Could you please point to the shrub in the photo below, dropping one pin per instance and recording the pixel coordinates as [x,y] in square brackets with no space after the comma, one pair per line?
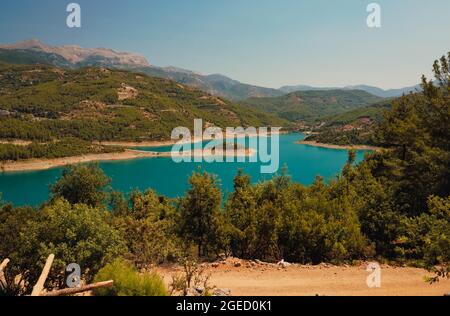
[128,282]
[73,233]
[146,222]
[280,219]
[193,277]
[76,233]
[84,184]
[200,213]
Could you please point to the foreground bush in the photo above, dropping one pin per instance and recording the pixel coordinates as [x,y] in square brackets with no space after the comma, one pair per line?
[84,184]
[146,222]
[73,233]
[281,219]
[128,281]
[77,233]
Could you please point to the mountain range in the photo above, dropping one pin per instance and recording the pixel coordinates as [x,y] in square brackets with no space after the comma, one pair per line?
[35,52]
[312,105]
[214,84]
[77,56]
[390,93]
[71,56]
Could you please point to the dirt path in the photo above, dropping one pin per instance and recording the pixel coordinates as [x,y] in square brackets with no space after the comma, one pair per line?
[264,280]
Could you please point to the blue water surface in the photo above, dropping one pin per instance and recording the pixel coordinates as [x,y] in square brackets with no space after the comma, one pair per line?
[166,177]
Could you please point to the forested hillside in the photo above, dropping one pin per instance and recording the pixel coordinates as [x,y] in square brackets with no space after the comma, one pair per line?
[390,93]
[356,127]
[43,103]
[310,105]
[374,112]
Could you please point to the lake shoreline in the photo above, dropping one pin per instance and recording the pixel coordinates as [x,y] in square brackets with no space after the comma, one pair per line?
[141,144]
[45,164]
[338,147]
[163,143]
[129,154]
[166,176]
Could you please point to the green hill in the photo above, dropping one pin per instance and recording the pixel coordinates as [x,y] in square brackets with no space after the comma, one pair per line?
[45,103]
[372,112]
[311,105]
[354,127]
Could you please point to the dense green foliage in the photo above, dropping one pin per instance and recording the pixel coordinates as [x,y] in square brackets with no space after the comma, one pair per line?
[281,219]
[310,105]
[81,185]
[409,215]
[200,214]
[148,224]
[417,132]
[374,112]
[363,136]
[43,103]
[356,127]
[74,233]
[77,233]
[128,281]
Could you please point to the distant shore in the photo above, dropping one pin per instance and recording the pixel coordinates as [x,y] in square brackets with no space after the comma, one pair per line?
[45,164]
[152,143]
[136,144]
[163,143]
[128,154]
[339,147]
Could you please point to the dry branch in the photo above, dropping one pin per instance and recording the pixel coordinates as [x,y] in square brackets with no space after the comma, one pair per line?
[72,291]
[3,264]
[2,267]
[39,287]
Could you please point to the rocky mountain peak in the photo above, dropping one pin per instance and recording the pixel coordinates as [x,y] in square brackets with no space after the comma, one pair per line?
[76,54]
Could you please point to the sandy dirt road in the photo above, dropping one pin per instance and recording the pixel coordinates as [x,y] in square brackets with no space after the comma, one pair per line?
[296,280]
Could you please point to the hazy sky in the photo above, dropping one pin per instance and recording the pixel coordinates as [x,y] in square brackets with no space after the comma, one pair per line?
[263,42]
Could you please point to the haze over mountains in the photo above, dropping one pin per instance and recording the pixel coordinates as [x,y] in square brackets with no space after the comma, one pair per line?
[390,93]
[71,56]
[214,84]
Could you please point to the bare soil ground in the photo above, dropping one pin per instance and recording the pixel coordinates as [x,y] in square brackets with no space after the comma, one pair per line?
[245,278]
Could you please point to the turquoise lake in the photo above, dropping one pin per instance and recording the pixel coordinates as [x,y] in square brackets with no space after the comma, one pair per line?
[166,177]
